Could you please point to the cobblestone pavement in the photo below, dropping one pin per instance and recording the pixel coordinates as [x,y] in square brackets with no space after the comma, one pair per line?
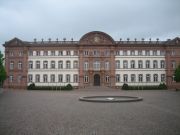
[61,113]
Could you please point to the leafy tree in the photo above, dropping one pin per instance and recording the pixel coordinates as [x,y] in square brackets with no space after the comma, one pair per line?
[177,74]
[2,70]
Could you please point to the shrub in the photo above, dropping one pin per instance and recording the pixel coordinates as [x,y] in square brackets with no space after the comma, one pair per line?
[162,86]
[125,86]
[69,87]
[31,86]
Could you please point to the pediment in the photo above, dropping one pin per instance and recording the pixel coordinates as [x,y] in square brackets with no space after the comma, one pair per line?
[96,37]
[14,42]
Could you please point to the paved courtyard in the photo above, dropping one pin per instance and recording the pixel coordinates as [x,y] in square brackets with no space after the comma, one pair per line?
[60,113]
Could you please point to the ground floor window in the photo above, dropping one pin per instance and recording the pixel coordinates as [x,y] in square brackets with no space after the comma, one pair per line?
[107,79]
[75,77]
[118,78]
[86,79]
[30,78]
[125,78]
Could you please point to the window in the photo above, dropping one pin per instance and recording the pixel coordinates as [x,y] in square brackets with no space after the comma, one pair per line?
[107,65]
[45,78]
[147,53]
[163,79]
[140,78]
[52,78]
[162,64]
[75,53]
[68,53]
[125,64]
[86,53]
[96,65]
[117,77]
[155,64]
[60,78]
[52,53]
[107,79]
[173,53]
[68,64]
[155,78]
[75,64]
[19,78]
[173,78]
[60,64]
[11,53]
[96,53]
[132,64]
[133,78]
[139,52]
[132,53]
[148,78]
[147,64]
[45,64]
[11,78]
[125,78]
[173,64]
[68,79]
[60,53]
[86,79]
[45,53]
[37,53]
[140,64]
[75,78]
[162,53]
[117,64]
[125,53]
[117,53]
[37,78]
[37,64]
[30,65]
[21,53]
[86,65]
[30,78]
[107,53]
[154,53]
[19,65]
[11,65]
[30,53]
[53,64]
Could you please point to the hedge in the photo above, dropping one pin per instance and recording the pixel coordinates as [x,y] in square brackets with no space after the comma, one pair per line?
[33,87]
[161,86]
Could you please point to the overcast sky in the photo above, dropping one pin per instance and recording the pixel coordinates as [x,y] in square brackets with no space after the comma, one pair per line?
[29,19]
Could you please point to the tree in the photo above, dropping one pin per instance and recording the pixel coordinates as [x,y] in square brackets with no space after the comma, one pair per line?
[177,74]
[2,70]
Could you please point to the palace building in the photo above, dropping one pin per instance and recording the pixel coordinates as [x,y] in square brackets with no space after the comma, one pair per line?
[95,60]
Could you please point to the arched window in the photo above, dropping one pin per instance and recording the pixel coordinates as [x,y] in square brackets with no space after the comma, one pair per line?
[60,64]
[37,64]
[125,64]
[140,77]
[37,78]
[147,64]
[45,78]
[148,78]
[53,64]
[132,64]
[155,78]
[125,78]
[107,79]
[30,65]
[68,64]
[155,64]
[68,78]
[162,64]
[45,64]
[117,64]
[117,77]
[140,64]
[53,78]
[107,66]
[133,78]
[75,64]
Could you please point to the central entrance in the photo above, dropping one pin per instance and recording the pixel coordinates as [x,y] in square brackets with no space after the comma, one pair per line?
[96,80]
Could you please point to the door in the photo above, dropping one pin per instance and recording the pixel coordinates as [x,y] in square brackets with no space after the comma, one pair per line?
[96,80]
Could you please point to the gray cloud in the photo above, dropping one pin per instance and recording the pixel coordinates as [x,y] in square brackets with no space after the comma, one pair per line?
[27,19]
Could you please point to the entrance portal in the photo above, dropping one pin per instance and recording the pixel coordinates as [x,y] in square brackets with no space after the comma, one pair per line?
[96,80]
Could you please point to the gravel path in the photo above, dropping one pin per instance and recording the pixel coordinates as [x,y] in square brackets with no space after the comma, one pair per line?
[61,113]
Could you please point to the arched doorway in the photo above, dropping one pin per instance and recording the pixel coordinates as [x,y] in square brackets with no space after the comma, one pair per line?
[96,80]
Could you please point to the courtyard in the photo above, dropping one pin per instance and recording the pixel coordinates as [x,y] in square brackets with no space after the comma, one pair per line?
[61,113]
